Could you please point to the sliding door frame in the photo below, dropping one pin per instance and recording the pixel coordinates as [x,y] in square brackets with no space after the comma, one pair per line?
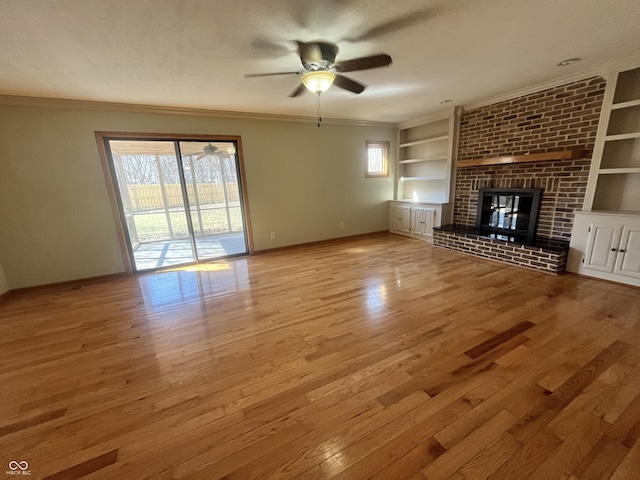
[110,179]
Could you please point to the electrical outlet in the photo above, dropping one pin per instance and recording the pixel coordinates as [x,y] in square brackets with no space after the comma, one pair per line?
[273,235]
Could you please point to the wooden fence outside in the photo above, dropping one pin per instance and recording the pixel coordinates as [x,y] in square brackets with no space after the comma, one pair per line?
[149,197]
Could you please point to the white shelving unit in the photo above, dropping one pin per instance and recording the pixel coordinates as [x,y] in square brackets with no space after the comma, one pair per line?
[425,174]
[426,157]
[605,241]
[614,179]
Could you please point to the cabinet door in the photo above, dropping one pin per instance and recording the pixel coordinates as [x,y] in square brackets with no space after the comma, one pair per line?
[401,218]
[429,217]
[602,247]
[416,220]
[422,221]
[628,260]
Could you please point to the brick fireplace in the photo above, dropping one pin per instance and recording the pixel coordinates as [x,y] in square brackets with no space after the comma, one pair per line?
[563,118]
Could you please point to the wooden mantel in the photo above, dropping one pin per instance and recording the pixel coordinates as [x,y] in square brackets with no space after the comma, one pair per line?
[573,154]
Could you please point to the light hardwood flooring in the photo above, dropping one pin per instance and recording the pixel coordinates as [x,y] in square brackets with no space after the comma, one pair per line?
[378,357]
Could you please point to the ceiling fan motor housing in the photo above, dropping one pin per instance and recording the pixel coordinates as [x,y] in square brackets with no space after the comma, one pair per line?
[318,55]
[210,149]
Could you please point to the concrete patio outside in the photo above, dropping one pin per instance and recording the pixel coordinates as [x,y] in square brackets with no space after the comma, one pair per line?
[166,253]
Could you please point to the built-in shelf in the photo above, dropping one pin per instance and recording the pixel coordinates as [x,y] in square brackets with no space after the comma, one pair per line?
[615,171]
[573,154]
[622,136]
[630,103]
[605,239]
[424,159]
[424,140]
[614,176]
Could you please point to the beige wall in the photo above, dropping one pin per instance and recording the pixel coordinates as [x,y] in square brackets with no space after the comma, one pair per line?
[4,286]
[56,219]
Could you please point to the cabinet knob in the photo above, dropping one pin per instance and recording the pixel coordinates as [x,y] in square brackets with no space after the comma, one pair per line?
[614,249]
[622,251]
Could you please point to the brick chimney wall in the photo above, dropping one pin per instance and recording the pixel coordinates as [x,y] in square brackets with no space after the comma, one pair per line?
[559,118]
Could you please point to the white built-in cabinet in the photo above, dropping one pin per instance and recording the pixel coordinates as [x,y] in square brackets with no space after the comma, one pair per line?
[427,148]
[607,246]
[400,218]
[415,219]
[614,249]
[422,221]
[605,241]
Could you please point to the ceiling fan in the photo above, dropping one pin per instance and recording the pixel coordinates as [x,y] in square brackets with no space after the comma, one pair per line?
[321,69]
[211,150]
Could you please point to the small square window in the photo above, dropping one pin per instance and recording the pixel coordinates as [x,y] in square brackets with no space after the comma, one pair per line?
[377,159]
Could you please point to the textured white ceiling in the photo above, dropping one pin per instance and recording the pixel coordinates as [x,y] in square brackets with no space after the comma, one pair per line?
[193,53]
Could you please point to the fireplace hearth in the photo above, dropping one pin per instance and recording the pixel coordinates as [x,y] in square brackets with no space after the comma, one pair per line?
[505,230]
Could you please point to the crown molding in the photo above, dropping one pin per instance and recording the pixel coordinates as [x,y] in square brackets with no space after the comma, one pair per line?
[603,71]
[164,110]
[430,117]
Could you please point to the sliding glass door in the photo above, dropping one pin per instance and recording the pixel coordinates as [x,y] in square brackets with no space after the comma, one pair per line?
[180,200]
[214,196]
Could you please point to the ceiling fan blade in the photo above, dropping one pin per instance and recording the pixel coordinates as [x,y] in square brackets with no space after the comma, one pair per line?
[298,91]
[363,63]
[201,156]
[250,75]
[396,25]
[265,45]
[346,83]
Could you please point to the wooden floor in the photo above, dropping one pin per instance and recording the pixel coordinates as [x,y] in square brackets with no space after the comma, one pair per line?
[381,357]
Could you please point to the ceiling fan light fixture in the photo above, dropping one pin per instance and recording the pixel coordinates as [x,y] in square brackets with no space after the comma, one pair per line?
[318,81]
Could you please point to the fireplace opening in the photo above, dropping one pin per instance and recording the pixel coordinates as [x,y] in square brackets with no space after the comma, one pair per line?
[508,213]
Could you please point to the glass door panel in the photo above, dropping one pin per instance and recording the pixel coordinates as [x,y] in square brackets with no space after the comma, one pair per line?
[152,202]
[214,197]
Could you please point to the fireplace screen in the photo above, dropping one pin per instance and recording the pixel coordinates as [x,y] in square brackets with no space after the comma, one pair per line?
[510,211]
[504,210]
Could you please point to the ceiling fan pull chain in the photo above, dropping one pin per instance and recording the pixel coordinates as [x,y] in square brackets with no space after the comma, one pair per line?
[318,109]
